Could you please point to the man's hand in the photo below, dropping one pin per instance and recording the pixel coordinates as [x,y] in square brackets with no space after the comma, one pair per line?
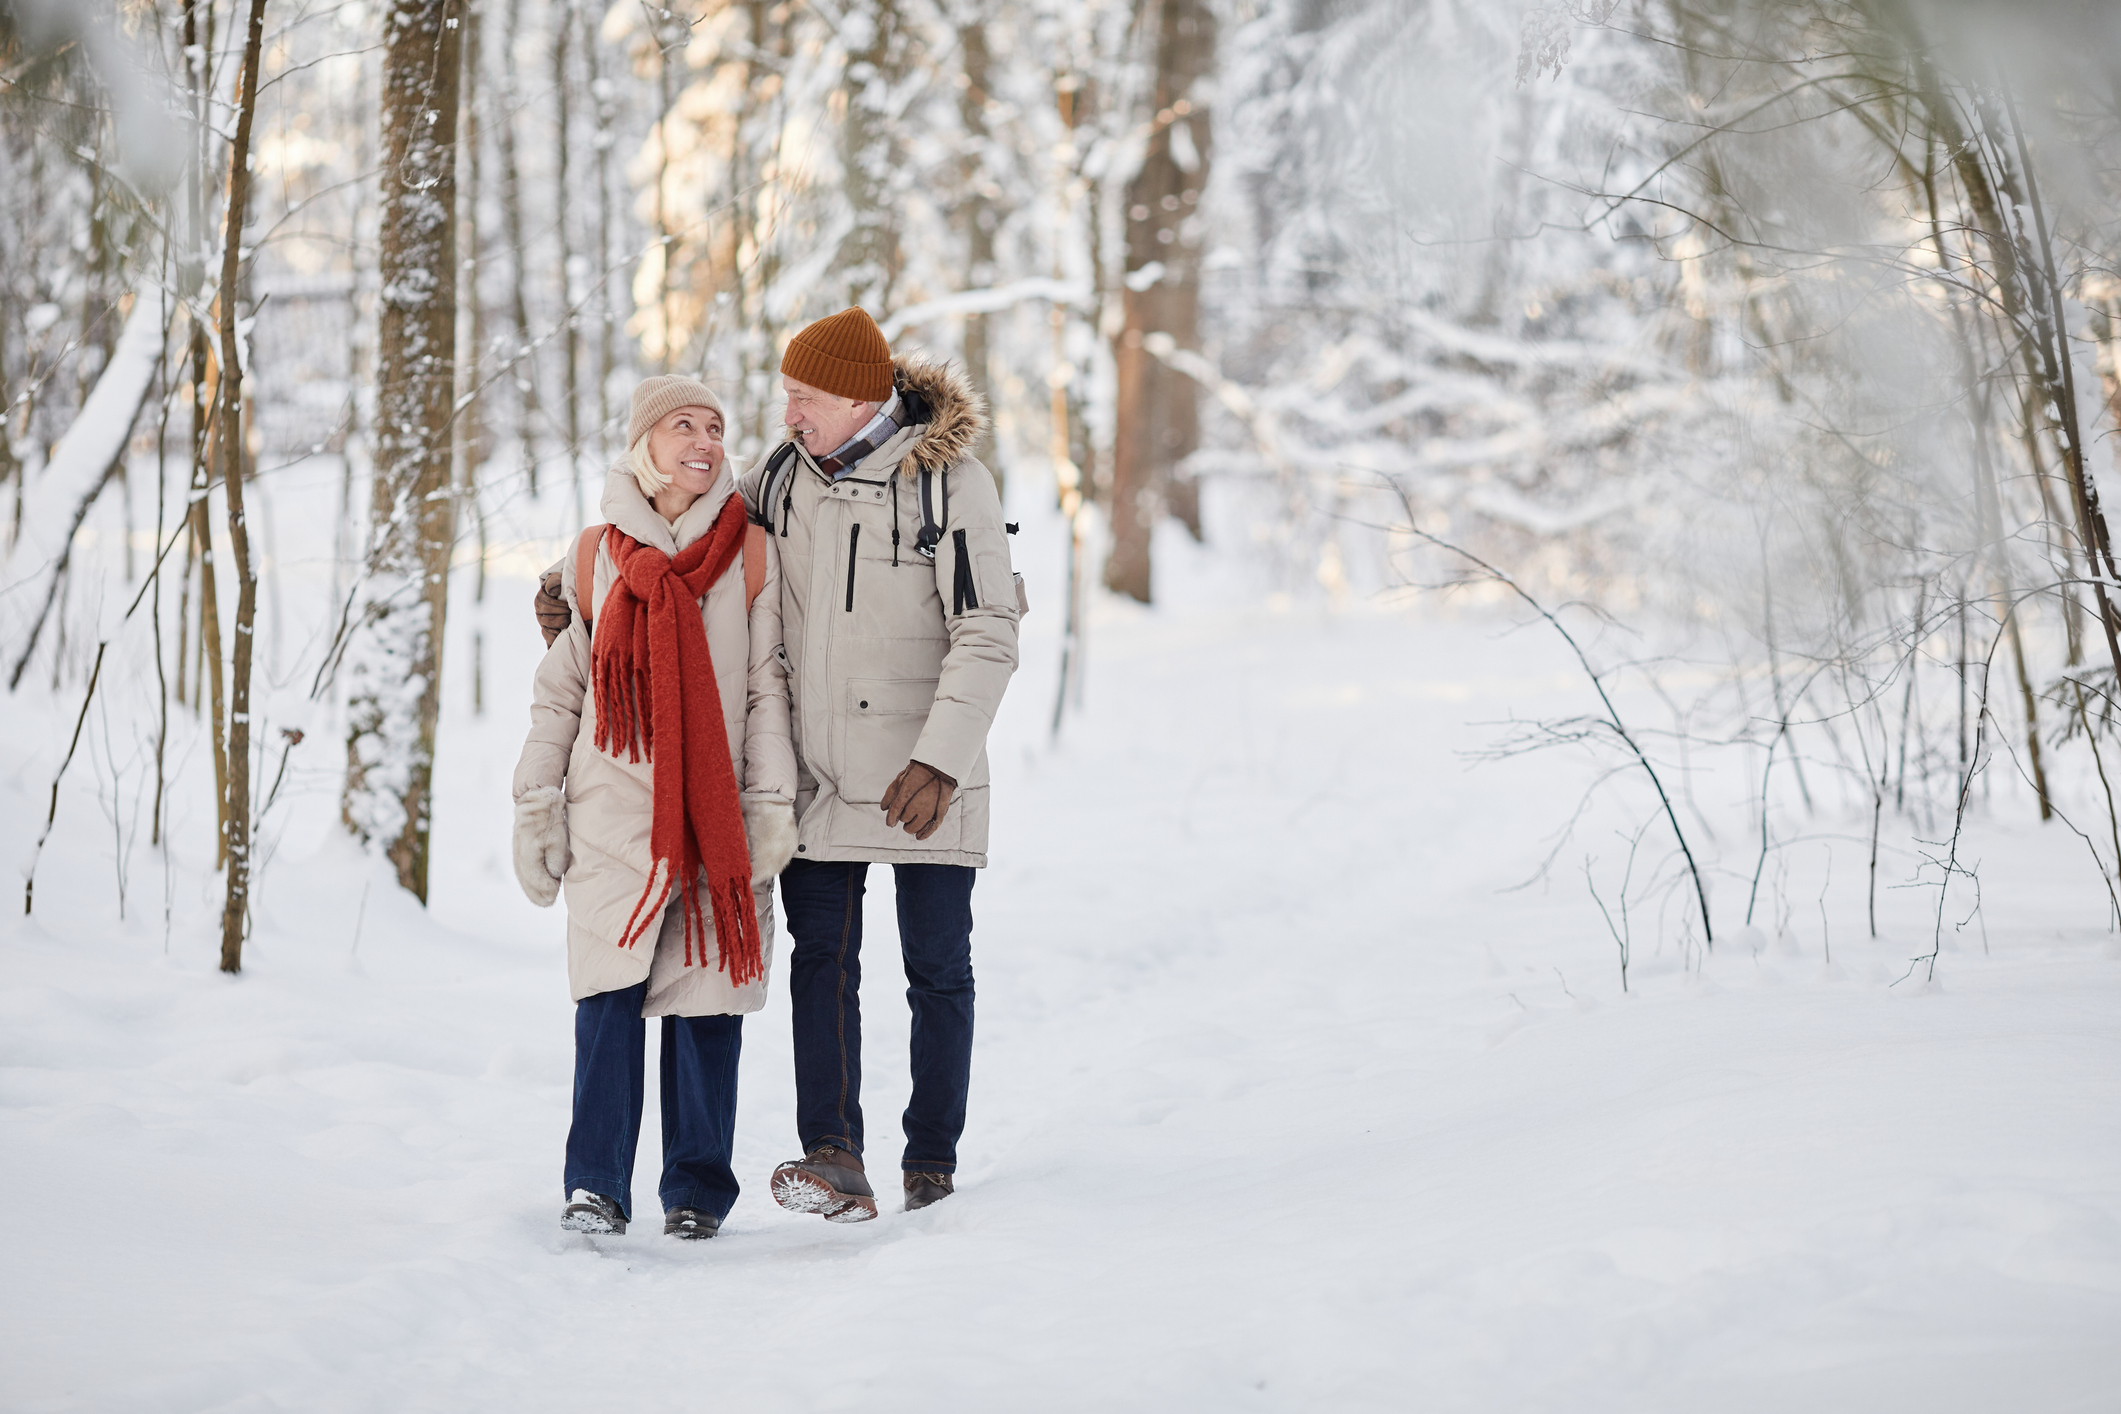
[918,798]
[552,610]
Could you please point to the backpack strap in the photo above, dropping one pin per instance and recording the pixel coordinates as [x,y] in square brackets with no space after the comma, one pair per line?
[930,531]
[779,476]
[585,570]
[754,565]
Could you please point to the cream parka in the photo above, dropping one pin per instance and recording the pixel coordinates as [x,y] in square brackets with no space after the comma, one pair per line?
[886,664]
[610,800]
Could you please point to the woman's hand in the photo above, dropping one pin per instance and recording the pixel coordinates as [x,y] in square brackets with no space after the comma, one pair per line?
[769,832]
[541,843]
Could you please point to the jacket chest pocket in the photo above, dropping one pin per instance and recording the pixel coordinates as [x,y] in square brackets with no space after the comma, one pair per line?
[883,718]
[874,571]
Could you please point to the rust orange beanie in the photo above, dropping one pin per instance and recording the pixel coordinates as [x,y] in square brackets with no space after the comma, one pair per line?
[844,354]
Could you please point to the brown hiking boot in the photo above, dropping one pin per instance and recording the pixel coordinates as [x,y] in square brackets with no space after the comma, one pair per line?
[827,1180]
[593,1213]
[691,1224]
[925,1188]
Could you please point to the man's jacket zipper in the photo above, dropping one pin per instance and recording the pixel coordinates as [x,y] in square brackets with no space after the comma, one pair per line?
[854,538]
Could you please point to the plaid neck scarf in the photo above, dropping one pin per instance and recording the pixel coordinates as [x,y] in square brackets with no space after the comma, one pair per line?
[881,429]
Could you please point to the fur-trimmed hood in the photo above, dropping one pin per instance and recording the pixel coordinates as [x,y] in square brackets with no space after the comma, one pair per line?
[947,406]
[956,413]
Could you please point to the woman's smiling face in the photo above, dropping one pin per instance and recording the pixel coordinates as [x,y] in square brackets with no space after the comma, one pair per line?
[686,448]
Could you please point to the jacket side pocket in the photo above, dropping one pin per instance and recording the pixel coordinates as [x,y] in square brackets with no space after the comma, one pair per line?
[884,720]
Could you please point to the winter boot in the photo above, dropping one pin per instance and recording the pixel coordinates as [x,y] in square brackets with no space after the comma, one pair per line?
[827,1180]
[592,1212]
[925,1188]
[690,1223]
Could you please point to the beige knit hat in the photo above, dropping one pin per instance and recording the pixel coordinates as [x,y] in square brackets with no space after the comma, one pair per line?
[661,396]
[844,354]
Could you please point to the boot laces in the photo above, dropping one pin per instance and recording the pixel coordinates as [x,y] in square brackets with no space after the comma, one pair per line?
[822,1154]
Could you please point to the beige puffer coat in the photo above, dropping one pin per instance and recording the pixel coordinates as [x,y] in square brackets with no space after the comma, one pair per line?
[610,800]
[886,664]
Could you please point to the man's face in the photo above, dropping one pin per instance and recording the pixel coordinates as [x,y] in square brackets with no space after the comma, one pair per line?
[822,420]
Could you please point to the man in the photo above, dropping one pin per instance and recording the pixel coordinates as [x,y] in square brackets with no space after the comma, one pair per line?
[899,609]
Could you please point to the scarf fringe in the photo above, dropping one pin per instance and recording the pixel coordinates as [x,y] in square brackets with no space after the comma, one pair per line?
[738,950]
[646,912]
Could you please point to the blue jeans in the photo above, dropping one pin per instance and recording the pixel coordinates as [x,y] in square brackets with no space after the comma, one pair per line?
[698,1076]
[823,902]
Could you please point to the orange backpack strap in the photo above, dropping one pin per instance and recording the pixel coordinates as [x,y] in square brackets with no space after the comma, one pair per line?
[754,564]
[585,570]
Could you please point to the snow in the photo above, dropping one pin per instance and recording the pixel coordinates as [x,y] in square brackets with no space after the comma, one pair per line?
[98,433]
[986,301]
[1280,1101]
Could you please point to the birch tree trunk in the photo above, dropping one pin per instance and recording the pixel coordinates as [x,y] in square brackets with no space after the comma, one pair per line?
[236,810]
[396,659]
[1156,417]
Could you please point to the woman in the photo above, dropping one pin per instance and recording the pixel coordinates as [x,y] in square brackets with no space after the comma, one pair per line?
[659,782]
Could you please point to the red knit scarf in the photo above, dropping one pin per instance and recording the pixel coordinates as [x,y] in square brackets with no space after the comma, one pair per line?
[656,697]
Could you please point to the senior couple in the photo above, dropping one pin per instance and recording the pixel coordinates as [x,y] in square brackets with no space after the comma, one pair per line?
[785,677]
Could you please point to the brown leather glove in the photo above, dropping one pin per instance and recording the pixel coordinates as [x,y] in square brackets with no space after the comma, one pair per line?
[553,613]
[918,798]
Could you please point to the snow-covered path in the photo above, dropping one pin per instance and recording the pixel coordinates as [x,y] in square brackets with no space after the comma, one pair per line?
[1279,1103]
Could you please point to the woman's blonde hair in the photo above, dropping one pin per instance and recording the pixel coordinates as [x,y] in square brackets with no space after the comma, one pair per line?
[643,468]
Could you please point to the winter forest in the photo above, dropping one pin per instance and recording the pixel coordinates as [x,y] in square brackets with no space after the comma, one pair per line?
[1555,836]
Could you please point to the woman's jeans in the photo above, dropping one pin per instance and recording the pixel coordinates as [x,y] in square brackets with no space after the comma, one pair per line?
[823,902]
[699,1102]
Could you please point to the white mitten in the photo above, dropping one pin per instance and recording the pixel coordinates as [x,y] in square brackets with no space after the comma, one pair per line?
[541,843]
[769,829]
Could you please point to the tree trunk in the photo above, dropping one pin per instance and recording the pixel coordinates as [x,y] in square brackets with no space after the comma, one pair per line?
[99,326]
[607,315]
[977,214]
[209,673]
[10,464]
[396,661]
[195,86]
[235,910]
[470,425]
[2031,310]
[2095,540]
[523,359]
[570,330]
[1156,416]
[755,151]
[661,24]
[872,159]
